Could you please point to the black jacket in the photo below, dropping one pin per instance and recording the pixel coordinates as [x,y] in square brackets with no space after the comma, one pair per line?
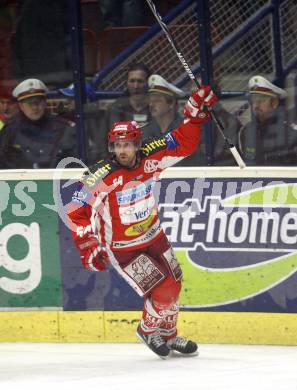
[36,144]
[270,143]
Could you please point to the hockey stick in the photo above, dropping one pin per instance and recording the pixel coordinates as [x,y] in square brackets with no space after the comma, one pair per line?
[187,68]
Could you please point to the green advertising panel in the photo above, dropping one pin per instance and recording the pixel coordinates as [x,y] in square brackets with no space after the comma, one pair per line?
[234,237]
[29,246]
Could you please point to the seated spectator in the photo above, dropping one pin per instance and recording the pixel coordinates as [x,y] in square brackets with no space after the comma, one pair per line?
[134,104]
[5,108]
[5,102]
[267,139]
[163,107]
[2,123]
[33,138]
[68,111]
[163,98]
[93,116]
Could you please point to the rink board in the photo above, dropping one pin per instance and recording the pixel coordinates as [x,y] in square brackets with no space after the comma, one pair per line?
[209,328]
[234,232]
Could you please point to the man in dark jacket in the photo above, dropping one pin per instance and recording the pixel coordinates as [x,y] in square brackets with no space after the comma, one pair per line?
[163,104]
[133,105]
[267,139]
[163,107]
[33,138]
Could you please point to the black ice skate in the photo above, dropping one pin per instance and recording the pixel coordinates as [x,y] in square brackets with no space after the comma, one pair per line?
[183,346]
[155,342]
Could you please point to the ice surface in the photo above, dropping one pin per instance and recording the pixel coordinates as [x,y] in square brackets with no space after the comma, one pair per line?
[134,366]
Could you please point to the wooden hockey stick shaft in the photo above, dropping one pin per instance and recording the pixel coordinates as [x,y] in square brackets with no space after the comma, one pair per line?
[191,75]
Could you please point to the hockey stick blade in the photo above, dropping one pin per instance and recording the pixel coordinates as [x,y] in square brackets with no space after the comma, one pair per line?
[191,75]
[237,156]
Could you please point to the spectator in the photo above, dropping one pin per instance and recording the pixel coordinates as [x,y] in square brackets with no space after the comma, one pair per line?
[68,111]
[5,104]
[133,105]
[6,107]
[93,117]
[163,107]
[267,139]
[164,111]
[33,138]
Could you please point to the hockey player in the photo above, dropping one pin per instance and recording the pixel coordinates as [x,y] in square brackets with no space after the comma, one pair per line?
[114,220]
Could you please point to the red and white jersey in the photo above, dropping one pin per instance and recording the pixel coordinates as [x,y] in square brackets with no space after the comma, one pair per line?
[117,203]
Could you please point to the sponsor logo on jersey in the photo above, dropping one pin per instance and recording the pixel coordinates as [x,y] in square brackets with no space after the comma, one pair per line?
[151,166]
[81,196]
[153,146]
[121,127]
[136,193]
[139,228]
[138,211]
[93,178]
[150,234]
[142,213]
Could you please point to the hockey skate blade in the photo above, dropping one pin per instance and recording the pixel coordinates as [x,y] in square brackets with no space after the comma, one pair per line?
[161,357]
[176,354]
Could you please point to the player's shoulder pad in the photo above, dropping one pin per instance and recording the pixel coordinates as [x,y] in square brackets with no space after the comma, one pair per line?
[153,145]
[156,144]
[98,172]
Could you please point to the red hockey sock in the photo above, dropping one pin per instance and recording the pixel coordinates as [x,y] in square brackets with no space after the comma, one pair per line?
[168,327]
[152,318]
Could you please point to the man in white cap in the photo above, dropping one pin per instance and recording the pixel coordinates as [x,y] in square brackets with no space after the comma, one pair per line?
[33,138]
[267,139]
[163,104]
[163,100]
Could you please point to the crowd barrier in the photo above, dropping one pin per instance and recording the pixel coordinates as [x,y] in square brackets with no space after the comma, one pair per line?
[234,232]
